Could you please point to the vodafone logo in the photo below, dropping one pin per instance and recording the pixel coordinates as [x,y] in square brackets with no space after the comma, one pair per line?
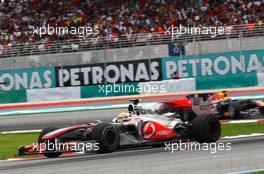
[148,130]
[163,132]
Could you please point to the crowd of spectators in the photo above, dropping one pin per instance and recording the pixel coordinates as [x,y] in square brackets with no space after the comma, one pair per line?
[116,18]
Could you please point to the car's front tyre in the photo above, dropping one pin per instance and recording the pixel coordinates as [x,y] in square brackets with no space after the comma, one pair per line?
[47,153]
[107,137]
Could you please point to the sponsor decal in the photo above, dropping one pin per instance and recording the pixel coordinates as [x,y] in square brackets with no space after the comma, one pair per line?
[34,78]
[219,64]
[132,71]
[148,130]
[163,132]
[202,67]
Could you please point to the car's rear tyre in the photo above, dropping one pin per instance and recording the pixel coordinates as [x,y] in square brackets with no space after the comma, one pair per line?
[49,154]
[206,129]
[234,110]
[187,114]
[107,137]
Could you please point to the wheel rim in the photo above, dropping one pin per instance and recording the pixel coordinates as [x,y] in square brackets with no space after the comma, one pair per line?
[110,137]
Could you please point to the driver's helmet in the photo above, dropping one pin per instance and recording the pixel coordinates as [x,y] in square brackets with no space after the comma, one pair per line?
[222,95]
[121,117]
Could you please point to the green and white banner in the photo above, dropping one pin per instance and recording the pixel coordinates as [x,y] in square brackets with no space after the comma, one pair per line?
[34,78]
[220,70]
[208,71]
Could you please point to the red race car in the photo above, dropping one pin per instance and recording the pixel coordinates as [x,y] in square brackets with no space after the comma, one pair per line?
[140,126]
[218,104]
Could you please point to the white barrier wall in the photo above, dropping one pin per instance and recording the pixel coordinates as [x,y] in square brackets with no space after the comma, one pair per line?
[53,94]
[225,45]
[260,77]
[132,53]
[74,93]
[167,86]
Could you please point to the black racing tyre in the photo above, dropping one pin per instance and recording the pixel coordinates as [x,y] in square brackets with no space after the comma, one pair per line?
[187,114]
[234,110]
[206,129]
[107,137]
[261,111]
[47,153]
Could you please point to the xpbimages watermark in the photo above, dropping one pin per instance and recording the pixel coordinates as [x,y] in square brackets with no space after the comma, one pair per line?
[132,89]
[59,30]
[194,146]
[62,147]
[187,30]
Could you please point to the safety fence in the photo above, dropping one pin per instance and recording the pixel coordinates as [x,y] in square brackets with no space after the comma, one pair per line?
[123,41]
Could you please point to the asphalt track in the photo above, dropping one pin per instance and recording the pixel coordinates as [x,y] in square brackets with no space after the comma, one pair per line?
[40,121]
[247,154]
[61,119]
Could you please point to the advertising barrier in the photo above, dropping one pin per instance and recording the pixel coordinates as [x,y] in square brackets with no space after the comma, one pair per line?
[93,74]
[221,70]
[209,71]
[33,78]
[13,96]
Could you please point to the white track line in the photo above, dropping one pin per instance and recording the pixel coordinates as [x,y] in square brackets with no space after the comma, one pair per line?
[243,121]
[21,131]
[244,136]
[247,171]
[14,159]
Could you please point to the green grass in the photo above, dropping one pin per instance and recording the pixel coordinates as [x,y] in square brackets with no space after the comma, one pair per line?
[242,129]
[9,143]
[261,172]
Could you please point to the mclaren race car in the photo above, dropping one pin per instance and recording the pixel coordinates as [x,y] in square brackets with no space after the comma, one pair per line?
[137,127]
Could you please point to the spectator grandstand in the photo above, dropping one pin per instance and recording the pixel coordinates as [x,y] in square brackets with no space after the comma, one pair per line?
[117,20]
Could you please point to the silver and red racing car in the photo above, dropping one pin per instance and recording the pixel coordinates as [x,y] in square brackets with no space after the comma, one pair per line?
[140,126]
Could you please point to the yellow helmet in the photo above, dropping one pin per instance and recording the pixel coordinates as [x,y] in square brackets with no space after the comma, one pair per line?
[222,95]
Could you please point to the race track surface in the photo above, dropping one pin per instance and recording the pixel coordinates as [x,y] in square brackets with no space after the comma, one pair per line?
[63,119]
[245,155]
[40,121]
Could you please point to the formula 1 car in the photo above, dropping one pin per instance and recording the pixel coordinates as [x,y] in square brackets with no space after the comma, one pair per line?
[219,104]
[137,127]
[236,108]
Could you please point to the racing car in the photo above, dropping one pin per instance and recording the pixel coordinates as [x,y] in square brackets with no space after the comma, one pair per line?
[235,108]
[136,127]
[219,105]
